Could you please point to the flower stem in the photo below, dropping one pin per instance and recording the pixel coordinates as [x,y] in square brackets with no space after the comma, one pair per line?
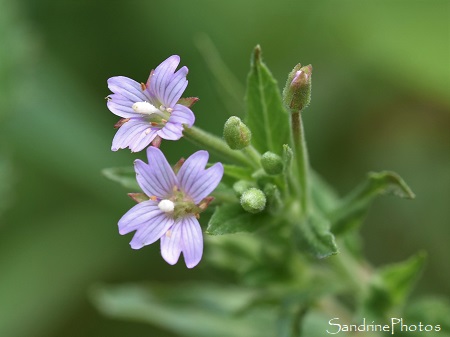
[253,155]
[301,160]
[216,145]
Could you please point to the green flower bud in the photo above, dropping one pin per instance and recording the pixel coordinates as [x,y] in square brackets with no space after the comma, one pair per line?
[236,133]
[272,163]
[297,92]
[241,186]
[253,200]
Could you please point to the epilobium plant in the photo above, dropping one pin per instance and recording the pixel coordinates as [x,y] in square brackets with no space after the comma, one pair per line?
[276,230]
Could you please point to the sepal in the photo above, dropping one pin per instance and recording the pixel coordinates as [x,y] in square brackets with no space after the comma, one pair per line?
[138,197]
[188,101]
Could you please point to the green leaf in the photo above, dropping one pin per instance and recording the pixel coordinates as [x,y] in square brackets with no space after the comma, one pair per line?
[198,310]
[8,180]
[324,197]
[433,311]
[125,176]
[353,208]
[237,172]
[266,116]
[223,194]
[290,318]
[391,285]
[232,218]
[313,236]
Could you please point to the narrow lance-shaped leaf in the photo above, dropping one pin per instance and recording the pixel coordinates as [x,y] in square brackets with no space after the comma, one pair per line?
[125,176]
[197,310]
[7,179]
[324,197]
[353,208]
[266,116]
[391,285]
[433,310]
[313,236]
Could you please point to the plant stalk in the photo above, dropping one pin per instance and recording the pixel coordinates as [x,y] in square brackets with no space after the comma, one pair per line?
[301,160]
[216,145]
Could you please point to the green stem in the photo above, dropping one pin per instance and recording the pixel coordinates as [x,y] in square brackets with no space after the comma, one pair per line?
[216,145]
[253,155]
[301,159]
[357,273]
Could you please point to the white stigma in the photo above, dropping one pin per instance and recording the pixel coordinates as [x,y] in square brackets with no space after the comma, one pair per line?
[145,108]
[166,206]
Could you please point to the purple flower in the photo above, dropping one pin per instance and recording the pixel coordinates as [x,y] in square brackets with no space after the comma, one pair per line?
[150,109]
[174,205]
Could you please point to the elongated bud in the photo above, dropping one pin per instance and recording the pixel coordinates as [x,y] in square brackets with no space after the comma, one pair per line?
[297,92]
[272,163]
[236,133]
[253,200]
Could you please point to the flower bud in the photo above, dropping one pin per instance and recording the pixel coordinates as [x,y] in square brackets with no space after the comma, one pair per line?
[253,200]
[236,133]
[271,163]
[297,92]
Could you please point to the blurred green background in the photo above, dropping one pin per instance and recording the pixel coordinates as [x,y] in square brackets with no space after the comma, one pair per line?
[380,101]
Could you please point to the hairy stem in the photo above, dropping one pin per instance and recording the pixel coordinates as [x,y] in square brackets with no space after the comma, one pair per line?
[253,155]
[301,160]
[216,145]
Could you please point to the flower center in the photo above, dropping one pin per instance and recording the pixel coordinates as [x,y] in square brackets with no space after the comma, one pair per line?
[178,205]
[166,205]
[145,108]
[156,116]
